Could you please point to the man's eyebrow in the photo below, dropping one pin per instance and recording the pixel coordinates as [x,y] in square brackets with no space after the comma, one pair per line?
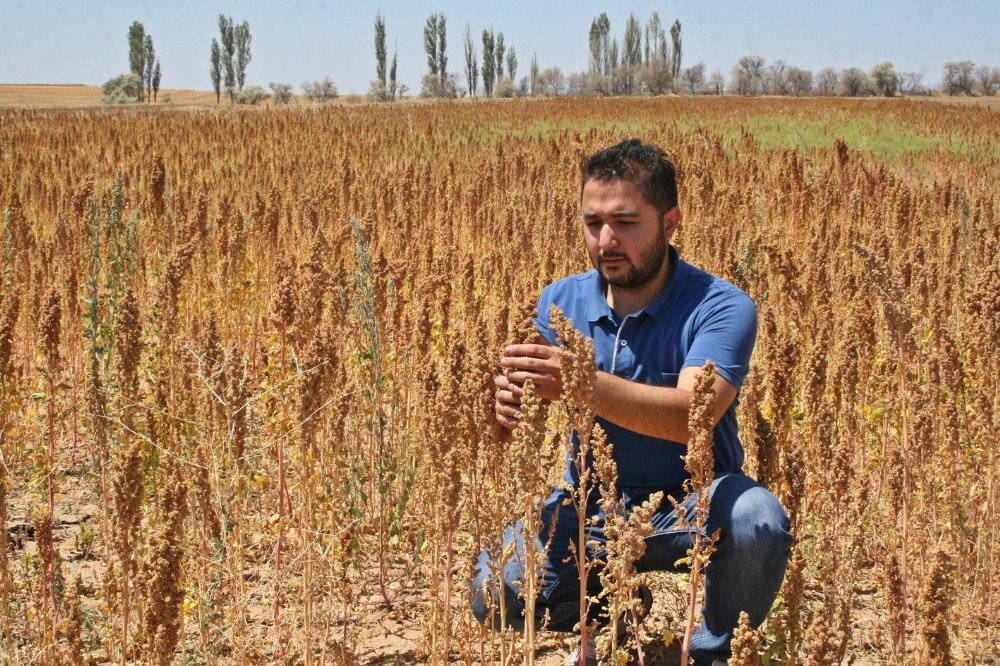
[617,213]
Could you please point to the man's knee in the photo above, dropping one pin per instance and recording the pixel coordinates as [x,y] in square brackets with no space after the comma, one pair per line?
[751,517]
[758,521]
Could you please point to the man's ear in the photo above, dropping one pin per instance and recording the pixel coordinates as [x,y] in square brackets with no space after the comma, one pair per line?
[671,219]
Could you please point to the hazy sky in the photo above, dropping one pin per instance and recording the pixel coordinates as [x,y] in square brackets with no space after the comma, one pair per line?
[81,41]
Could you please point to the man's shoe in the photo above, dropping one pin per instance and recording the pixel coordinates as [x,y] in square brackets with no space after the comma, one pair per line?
[590,649]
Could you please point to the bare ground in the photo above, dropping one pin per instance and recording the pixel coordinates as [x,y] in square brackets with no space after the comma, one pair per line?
[381,634]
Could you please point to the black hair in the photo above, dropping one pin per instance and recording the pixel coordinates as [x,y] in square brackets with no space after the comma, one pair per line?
[640,163]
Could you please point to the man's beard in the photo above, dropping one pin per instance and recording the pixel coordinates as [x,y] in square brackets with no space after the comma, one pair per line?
[641,274]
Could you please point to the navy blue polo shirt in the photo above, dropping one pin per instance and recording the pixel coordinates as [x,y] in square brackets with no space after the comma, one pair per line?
[695,318]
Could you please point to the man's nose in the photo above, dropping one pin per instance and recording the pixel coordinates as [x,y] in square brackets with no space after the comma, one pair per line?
[608,237]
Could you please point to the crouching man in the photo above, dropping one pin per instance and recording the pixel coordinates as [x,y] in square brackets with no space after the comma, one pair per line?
[655,320]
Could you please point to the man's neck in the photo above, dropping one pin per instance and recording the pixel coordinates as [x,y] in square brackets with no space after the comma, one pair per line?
[629,301]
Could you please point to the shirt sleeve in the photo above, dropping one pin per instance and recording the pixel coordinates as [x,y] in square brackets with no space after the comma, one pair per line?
[726,336]
[541,318]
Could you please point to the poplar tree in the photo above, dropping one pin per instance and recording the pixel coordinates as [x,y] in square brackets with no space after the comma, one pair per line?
[604,33]
[380,50]
[675,37]
[442,56]
[392,74]
[228,51]
[534,72]
[632,57]
[656,40]
[489,63]
[594,46]
[383,88]
[242,38]
[471,64]
[512,63]
[215,71]
[137,53]
[156,79]
[430,44]
[149,56]
[498,51]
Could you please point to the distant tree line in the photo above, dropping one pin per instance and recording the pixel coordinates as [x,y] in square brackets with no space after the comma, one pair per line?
[648,61]
[753,76]
[645,61]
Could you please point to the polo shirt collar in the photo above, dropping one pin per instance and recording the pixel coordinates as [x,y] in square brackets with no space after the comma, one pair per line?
[598,307]
[661,305]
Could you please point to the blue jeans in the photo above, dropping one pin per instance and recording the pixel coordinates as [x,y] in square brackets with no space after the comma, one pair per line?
[744,573]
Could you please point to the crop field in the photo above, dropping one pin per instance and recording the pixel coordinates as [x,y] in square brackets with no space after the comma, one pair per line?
[247,359]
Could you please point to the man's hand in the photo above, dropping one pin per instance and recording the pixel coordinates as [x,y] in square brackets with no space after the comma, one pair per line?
[508,406]
[539,363]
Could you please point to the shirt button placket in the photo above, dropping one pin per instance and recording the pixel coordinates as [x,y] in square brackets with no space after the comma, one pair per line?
[622,360]
[625,357]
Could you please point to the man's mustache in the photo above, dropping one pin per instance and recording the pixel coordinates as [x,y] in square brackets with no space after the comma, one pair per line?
[613,255]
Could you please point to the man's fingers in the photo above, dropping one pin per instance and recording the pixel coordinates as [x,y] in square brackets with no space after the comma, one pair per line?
[536,378]
[508,397]
[507,422]
[524,362]
[535,351]
[503,409]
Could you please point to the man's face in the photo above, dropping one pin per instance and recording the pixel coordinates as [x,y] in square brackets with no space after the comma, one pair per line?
[626,236]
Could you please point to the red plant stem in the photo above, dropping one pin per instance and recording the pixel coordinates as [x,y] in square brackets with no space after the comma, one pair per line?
[343,649]
[277,593]
[382,584]
[906,470]
[125,609]
[638,638]
[447,592]
[992,502]
[72,455]
[693,597]
[581,560]
[281,525]
[52,505]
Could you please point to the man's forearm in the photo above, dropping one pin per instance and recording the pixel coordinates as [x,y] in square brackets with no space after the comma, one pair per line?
[655,411]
